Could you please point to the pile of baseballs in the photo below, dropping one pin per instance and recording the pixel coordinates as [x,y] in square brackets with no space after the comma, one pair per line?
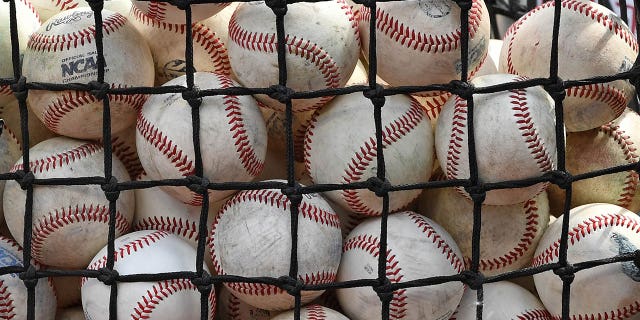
[425,137]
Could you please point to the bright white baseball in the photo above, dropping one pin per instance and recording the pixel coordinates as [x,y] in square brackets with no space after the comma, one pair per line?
[322,46]
[501,301]
[605,47]
[418,41]
[63,51]
[312,312]
[509,233]
[251,237]
[70,223]
[163,11]
[596,231]
[333,157]
[11,152]
[147,251]
[28,22]
[232,308]
[416,248]
[515,138]
[167,44]
[232,130]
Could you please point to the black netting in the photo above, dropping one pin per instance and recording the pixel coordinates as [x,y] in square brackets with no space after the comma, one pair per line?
[379,184]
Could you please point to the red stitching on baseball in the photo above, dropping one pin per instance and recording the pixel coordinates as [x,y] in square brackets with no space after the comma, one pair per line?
[371,244]
[535,314]
[391,133]
[63,217]
[261,289]
[55,42]
[315,312]
[526,126]
[156,10]
[11,135]
[60,159]
[250,161]
[233,307]
[630,155]
[416,40]
[127,155]
[440,243]
[601,92]
[162,290]
[6,302]
[185,228]
[6,90]
[458,130]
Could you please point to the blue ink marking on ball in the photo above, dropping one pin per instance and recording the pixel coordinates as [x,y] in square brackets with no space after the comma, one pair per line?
[7,259]
[625,246]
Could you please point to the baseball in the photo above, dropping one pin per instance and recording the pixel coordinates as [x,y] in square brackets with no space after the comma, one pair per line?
[123,146]
[502,301]
[28,22]
[233,137]
[416,248]
[167,43]
[527,46]
[14,292]
[63,51]
[163,11]
[48,8]
[276,130]
[516,138]
[596,231]
[509,234]
[610,145]
[251,237]
[418,41]
[333,157]
[232,308]
[312,312]
[147,251]
[70,223]
[322,43]
[11,152]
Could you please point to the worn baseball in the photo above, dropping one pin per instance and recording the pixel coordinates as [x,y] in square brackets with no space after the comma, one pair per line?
[167,44]
[123,146]
[70,223]
[596,231]
[333,157]
[163,11]
[10,113]
[501,301]
[48,8]
[418,41]
[416,248]
[613,144]
[251,237]
[14,291]
[28,21]
[515,138]
[312,312]
[233,137]
[154,252]
[322,46]
[63,51]
[509,233]
[229,307]
[11,152]
[605,47]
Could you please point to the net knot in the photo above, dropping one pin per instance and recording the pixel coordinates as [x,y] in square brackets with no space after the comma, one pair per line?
[566,273]
[293,193]
[474,280]
[465,5]
[462,89]
[477,193]
[199,185]
[203,283]
[192,97]
[110,189]
[29,277]
[107,276]
[378,186]
[96,5]
[25,179]
[99,89]
[376,95]
[291,285]
[279,7]
[281,93]
[561,178]
[20,89]
[556,90]
[384,290]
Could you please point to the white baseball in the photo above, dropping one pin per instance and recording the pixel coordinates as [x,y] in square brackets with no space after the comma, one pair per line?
[509,233]
[596,231]
[10,113]
[28,22]
[515,138]
[312,312]
[333,157]
[610,145]
[163,11]
[232,130]
[147,251]
[418,41]
[251,237]
[501,301]
[322,46]
[11,152]
[167,44]
[48,8]
[63,51]
[70,223]
[232,308]
[416,248]
[606,47]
